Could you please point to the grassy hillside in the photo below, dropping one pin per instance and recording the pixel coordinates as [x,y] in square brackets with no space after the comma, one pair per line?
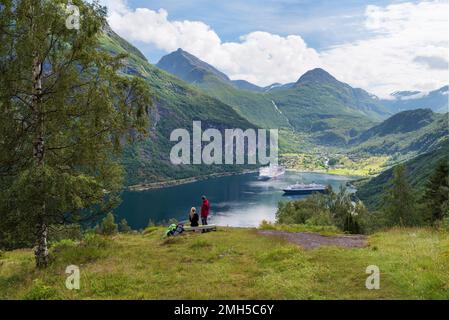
[258,108]
[414,132]
[418,171]
[233,264]
[177,104]
[330,110]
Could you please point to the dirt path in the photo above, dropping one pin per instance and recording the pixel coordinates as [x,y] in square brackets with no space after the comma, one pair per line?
[314,240]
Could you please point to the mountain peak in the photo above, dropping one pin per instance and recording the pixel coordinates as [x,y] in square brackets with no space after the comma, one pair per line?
[182,56]
[412,99]
[182,53]
[317,75]
[443,90]
[188,67]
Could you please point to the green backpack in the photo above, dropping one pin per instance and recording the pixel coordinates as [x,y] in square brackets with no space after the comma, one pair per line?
[175,229]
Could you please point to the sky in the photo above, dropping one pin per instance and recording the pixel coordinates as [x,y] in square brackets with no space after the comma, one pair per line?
[381,46]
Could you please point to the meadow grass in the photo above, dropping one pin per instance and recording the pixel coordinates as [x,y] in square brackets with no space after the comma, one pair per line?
[233,263]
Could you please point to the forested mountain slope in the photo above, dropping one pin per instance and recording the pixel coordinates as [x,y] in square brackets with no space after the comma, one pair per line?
[177,105]
[414,131]
[418,170]
[243,96]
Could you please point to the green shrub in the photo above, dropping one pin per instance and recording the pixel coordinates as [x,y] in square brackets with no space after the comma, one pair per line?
[40,291]
[15,231]
[62,245]
[94,240]
[108,227]
[266,225]
[442,225]
[151,223]
[376,221]
[330,209]
[322,218]
[67,231]
[124,227]
[300,211]
[400,200]
[91,248]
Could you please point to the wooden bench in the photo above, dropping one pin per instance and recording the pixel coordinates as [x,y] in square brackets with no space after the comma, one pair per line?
[210,227]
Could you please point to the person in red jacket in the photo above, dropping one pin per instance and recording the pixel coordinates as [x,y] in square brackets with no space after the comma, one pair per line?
[204,210]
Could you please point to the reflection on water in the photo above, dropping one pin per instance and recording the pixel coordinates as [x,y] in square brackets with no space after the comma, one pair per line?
[240,201]
[248,216]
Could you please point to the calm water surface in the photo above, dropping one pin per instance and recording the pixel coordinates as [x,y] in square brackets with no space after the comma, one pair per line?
[238,201]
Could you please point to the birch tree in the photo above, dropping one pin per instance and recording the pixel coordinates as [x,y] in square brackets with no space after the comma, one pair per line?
[65,112]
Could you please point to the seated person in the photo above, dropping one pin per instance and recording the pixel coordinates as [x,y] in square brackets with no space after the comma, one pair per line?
[194,218]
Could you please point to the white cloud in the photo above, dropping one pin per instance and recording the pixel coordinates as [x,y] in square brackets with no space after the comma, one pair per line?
[117,6]
[406,47]
[259,57]
[408,50]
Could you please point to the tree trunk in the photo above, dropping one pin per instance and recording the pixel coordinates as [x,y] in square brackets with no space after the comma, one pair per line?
[41,250]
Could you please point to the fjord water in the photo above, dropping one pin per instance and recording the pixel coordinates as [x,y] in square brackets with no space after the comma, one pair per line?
[238,201]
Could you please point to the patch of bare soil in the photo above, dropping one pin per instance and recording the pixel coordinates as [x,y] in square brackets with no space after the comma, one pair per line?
[314,240]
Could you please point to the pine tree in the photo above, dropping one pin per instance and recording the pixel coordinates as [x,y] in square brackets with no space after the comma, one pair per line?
[400,203]
[108,227]
[436,194]
[65,111]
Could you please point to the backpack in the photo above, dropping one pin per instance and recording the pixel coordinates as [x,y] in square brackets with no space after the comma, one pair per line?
[174,230]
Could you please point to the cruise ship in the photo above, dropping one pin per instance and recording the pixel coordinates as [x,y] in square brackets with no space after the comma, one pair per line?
[270,172]
[301,188]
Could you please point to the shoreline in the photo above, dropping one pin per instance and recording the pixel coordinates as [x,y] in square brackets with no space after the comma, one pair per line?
[329,173]
[179,182]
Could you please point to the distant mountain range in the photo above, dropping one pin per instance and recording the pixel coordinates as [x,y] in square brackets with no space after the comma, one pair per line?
[316,107]
[436,100]
[193,70]
[329,111]
[243,96]
[317,103]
